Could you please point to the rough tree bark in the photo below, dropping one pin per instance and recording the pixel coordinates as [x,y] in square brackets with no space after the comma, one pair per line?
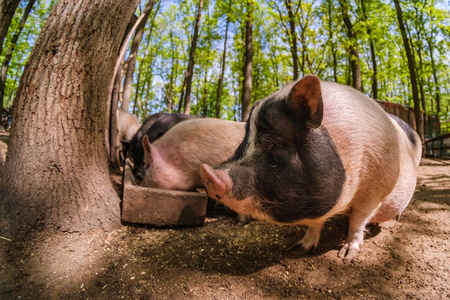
[57,175]
[128,81]
[248,63]
[353,51]
[412,71]
[222,70]
[9,53]
[7,10]
[190,69]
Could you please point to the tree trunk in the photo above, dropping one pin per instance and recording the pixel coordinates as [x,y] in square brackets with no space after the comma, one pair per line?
[113,102]
[419,29]
[57,174]
[332,44]
[170,88]
[412,72]
[9,53]
[247,83]
[7,10]
[372,54]
[114,96]
[205,95]
[353,51]
[222,71]
[137,93]
[113,142]
[190,68]
[128,81]
[436,82]
[292,37]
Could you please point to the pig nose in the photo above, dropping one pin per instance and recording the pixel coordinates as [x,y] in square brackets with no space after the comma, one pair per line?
[214,184]
[139,177]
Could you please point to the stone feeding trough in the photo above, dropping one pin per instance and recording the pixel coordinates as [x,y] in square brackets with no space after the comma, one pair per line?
[160,208]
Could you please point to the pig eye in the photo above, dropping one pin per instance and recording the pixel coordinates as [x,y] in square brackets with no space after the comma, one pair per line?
[268,142]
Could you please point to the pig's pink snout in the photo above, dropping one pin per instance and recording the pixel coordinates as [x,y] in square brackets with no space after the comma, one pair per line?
[213,181]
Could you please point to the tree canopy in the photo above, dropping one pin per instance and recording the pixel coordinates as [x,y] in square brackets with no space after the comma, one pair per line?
[322,44]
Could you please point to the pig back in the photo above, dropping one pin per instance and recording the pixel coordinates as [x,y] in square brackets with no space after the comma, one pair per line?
[191,143]
[366,141]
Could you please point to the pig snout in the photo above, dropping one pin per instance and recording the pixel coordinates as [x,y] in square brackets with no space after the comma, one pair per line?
[217,182]
[139,174]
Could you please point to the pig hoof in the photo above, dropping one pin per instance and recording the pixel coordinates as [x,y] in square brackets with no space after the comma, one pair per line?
[348,251]
[242,220]
[299,248]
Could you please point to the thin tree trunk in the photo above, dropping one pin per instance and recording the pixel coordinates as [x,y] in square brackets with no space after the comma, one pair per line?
[205,95]
[353,51]
[137,91]
[170,88]
[113,142]
[435,77]
[114,92]
[332,44]
[275,68]
[247,83]
[292,36]
[190,69]
[7,10]
[114,104]
[128,81]
[412,72]
[372,54]
[9,54]
[56,175]
[222,71]
[419,69]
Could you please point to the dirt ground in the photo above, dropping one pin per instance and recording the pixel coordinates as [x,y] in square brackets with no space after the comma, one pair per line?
[406,259]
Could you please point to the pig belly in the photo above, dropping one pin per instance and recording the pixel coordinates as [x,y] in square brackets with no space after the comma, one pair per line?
[403,191]
[398,199]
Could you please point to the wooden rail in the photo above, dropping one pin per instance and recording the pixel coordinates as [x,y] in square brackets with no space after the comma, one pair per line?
[438,146]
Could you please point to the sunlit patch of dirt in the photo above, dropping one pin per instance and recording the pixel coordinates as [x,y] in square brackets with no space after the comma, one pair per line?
[406,259]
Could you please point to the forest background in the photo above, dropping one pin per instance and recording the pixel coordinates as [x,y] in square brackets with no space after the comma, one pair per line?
[288,38]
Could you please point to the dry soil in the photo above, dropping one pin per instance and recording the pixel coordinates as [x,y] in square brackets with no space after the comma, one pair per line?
[406,259]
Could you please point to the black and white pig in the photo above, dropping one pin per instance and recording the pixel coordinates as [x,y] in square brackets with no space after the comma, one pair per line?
[316,149]
[154,127]
[173,161]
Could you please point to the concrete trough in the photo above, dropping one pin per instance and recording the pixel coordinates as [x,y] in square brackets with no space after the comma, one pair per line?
[161,208]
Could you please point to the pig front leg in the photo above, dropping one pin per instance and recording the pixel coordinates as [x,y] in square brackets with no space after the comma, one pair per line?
[310,240]
[360,215]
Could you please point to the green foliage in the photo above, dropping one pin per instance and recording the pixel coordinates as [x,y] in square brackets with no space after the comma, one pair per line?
[322,50]
[24,45]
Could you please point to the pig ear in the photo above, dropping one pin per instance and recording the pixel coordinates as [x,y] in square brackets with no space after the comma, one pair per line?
[305,98]
[147,150]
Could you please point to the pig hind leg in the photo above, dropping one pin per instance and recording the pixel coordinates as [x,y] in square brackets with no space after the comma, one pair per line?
[360,215]
[310,240]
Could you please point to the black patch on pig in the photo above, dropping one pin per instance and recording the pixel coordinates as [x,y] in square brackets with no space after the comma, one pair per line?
[243,181]
[154,127]
[240,150]
[406,128]
[295,173]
